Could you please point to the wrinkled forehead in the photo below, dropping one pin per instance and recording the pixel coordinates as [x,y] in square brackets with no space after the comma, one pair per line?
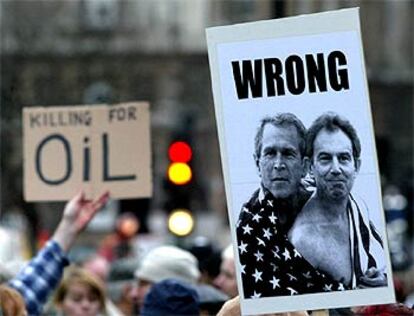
[285,134]
[332,141]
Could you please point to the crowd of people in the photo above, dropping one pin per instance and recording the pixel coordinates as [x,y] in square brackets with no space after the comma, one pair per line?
[168,280]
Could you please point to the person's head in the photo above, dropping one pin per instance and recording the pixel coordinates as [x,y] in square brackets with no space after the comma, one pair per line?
[165,262]
[333,155]
[171,297]
[80,293]
[208,256]
[226,281]
[11,302]
[279,152]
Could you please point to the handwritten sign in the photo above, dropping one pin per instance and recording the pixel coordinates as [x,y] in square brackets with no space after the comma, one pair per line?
[94,148]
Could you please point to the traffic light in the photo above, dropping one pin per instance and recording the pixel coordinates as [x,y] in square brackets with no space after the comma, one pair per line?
[179,171]
[179,183]
[180,222]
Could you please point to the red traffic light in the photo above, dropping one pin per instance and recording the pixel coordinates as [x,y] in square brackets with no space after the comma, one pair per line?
[180,152]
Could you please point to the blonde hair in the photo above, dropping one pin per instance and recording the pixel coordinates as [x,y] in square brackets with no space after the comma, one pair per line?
[84,277]
[11,302]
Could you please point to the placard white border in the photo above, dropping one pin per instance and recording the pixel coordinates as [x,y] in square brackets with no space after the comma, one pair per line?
[344,21]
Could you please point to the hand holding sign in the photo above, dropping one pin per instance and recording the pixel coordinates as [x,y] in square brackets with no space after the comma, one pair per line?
[77,214]
[373,278]
[232,308]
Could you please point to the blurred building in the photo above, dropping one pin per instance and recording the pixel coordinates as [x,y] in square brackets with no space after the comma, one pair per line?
[93,51]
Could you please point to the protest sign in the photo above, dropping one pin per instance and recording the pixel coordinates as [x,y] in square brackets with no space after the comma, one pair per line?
[304,66]
[94,148]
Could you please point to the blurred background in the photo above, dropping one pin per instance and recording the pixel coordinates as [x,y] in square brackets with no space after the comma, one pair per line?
[110,51]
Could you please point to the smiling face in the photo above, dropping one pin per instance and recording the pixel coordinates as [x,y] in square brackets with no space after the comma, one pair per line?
[280,162]
[333,164]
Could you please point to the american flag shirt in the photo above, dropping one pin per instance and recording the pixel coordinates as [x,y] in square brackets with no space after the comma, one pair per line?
[270,265]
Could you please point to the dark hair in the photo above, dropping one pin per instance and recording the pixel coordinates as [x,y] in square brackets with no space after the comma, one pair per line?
[332,121]
[280,120]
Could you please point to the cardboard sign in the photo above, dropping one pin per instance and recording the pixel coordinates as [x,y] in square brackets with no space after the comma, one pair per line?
[304,67]
[94,148]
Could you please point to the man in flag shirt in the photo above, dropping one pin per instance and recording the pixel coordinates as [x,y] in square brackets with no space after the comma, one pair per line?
[269,263]
[333,231]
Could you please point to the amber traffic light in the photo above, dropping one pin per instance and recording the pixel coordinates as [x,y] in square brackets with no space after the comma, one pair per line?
[179,171]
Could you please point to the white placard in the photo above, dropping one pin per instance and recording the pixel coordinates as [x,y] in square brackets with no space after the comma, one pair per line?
[262,68]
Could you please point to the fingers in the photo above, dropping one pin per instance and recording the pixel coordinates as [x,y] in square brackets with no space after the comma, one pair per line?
[378,279]
[371,272]
[74,202]
[89,209]
[367,283]
[101,200]
[80,196]
[92,207]
[97,204]
[76,198]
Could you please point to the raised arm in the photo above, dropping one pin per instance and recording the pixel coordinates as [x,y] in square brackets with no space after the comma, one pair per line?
[77,214]
[44,272]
